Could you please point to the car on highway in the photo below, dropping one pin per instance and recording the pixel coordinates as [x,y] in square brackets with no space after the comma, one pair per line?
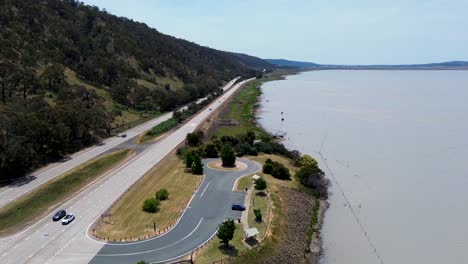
[124,135]
[59,215]
[68,219]
[238,207]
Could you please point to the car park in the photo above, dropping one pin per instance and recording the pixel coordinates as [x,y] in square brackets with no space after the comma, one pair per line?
[238,207]
[59,215]
[68,219]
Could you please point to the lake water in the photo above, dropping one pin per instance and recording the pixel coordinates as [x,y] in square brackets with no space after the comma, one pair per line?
[397,144]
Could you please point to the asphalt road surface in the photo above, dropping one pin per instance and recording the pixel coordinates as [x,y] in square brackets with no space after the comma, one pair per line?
[50,242]
[209,208]
[13,191]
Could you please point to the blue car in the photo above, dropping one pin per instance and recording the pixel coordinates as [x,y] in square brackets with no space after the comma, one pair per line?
[238,207]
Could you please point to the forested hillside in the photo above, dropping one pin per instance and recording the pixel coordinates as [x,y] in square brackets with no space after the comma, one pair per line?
[70,73]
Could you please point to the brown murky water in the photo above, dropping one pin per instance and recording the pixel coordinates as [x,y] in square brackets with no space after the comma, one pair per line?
[397,144]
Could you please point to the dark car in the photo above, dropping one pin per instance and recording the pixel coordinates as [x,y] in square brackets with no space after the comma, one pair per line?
[238,207]
[59,215]
[124,135]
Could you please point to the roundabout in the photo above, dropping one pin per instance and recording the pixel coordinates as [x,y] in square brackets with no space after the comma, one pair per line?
[218,165]
[210,206]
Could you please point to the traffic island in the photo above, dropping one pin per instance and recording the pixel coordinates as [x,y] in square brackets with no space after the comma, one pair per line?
[218,165]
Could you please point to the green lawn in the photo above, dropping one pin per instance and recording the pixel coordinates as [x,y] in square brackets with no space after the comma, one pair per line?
[159,129]
[216,251]
[46,198]
[244,182]
[130,221]
[259,202]
[242,108]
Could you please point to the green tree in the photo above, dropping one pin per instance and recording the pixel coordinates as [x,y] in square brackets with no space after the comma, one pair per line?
[227,156]
[151,205]
[211,151]
[197,166]
[54,76]
[260,185]
[194,139]
[258,215]
[314,178]
[162,195]
[142,262]
[188,159]
[226,232]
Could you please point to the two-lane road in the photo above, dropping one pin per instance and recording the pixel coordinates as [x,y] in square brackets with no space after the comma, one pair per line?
[14,191]
[48,242]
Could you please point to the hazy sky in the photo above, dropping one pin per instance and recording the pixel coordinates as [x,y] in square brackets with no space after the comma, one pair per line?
[323,31]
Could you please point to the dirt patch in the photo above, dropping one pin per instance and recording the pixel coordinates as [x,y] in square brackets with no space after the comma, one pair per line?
[217,165]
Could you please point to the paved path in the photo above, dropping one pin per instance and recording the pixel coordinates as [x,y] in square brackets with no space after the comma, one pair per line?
[49,242]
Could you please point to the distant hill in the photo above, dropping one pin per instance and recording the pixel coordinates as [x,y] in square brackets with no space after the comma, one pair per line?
[310,65]
[294,64]
[254,62]
[70,73]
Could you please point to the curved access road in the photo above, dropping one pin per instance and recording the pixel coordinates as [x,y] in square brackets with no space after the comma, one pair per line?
[210,206]
[50,242]
[15,190]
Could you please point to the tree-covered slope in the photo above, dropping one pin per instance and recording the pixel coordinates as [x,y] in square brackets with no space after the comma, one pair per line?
[68,71]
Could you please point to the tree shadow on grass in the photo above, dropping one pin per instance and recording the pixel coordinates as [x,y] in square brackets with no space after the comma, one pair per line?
[229,250]
[253,242]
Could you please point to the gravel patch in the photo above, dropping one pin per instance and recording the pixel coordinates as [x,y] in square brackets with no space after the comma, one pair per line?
[292,247]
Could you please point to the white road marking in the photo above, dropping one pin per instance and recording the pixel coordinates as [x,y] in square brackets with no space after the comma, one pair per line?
[156,249]
[205,189]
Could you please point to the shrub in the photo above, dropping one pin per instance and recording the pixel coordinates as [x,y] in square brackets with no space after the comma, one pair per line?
[197,166]
[195,139]
[268,166]
[188,159]
[280,172]
[151,205]
[314,178]
[258,215]
[162,195]
[211,151]
[276,170]
[245,149]
[260,184]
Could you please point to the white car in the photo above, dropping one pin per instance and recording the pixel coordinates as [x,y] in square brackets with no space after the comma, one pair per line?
[68,219]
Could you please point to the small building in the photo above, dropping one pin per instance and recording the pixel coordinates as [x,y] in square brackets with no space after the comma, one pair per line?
[255,177]
[251,233]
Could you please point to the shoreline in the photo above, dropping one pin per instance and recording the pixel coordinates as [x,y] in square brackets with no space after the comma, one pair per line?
[315,246]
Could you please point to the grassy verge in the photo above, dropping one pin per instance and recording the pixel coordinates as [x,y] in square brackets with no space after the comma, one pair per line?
[256,202]
[275,234]
[294,183]
[128,219]
[44,199]
[242,109]
[217,251]
[313,224]
[259,202]
[244,182]
[159,129]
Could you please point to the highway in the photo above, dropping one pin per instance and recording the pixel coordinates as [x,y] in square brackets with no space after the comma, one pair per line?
[48,242]
[12,192]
